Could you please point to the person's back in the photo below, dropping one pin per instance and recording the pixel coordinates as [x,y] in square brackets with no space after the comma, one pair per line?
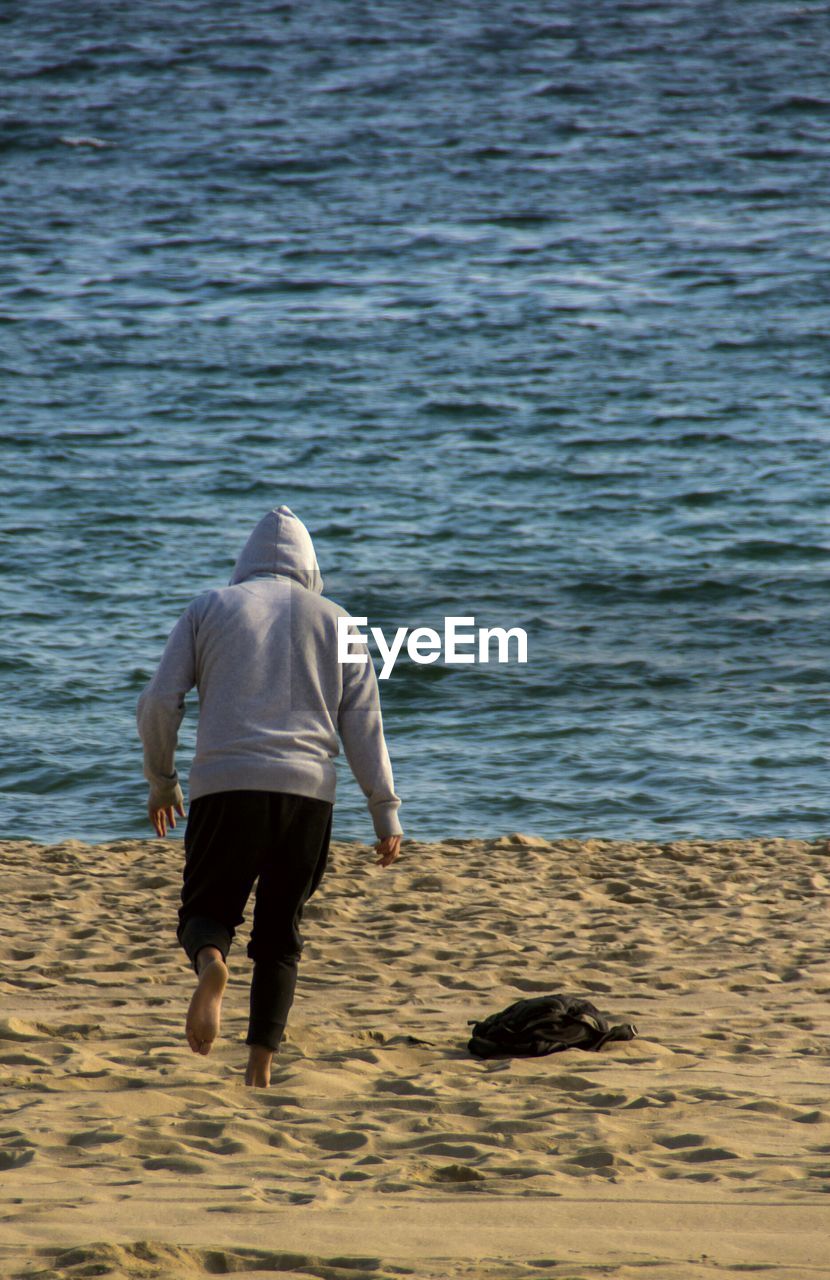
[269,687]
[273,700]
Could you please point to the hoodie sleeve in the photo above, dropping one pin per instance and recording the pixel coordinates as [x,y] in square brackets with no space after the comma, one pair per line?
[360,726]
[161,708]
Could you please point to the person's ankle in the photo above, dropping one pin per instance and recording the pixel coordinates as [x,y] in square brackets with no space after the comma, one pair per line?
[258,1070]
[260,1052]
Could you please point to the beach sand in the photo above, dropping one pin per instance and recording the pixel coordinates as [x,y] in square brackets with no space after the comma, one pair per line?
[382,1149]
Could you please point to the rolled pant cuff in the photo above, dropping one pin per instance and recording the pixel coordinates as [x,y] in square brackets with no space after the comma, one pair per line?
[201,931]
[267,1034]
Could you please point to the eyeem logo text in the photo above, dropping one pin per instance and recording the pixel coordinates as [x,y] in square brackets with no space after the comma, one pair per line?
[425,644]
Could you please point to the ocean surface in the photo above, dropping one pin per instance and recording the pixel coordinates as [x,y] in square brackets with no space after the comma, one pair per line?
[522,307]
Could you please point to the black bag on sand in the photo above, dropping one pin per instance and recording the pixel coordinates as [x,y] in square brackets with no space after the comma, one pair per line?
[545,1024]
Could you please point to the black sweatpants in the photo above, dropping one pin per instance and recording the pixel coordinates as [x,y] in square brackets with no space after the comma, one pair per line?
[233,838]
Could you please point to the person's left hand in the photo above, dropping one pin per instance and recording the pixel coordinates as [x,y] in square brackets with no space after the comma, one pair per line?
[388,850]
[160,818]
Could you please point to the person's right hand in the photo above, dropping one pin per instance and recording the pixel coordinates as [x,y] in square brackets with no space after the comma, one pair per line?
[164,816]
[388,850]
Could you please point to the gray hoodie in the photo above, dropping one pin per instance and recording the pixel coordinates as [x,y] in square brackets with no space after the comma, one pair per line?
[273,697]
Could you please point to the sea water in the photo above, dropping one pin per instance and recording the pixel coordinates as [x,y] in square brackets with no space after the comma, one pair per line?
[522,308]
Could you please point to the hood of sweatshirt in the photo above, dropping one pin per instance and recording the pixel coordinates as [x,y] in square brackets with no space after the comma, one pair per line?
[280,546]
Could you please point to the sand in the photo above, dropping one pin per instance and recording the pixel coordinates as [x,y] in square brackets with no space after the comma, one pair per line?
[382,1149]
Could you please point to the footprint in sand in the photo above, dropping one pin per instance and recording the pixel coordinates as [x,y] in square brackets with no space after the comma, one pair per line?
[17,1029]
[203,1128]
[94,1137]
[702,1155]
[456,1173]
[15,1159]
[18,1058]
[349,1140]
[15,1149]
[593,1158]
[677,1141]
[176,1164]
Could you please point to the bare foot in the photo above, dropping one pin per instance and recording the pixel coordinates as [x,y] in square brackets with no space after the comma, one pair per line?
[203,1016]
[258,1074]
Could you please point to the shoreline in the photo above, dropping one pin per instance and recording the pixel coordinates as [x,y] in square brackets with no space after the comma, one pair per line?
[381,1140]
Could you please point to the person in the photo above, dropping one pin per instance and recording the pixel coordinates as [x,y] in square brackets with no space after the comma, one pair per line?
[275,703]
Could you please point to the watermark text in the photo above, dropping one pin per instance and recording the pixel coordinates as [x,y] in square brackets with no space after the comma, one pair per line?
[461,642]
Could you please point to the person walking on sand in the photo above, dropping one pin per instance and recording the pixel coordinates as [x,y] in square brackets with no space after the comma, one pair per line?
[273,701]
